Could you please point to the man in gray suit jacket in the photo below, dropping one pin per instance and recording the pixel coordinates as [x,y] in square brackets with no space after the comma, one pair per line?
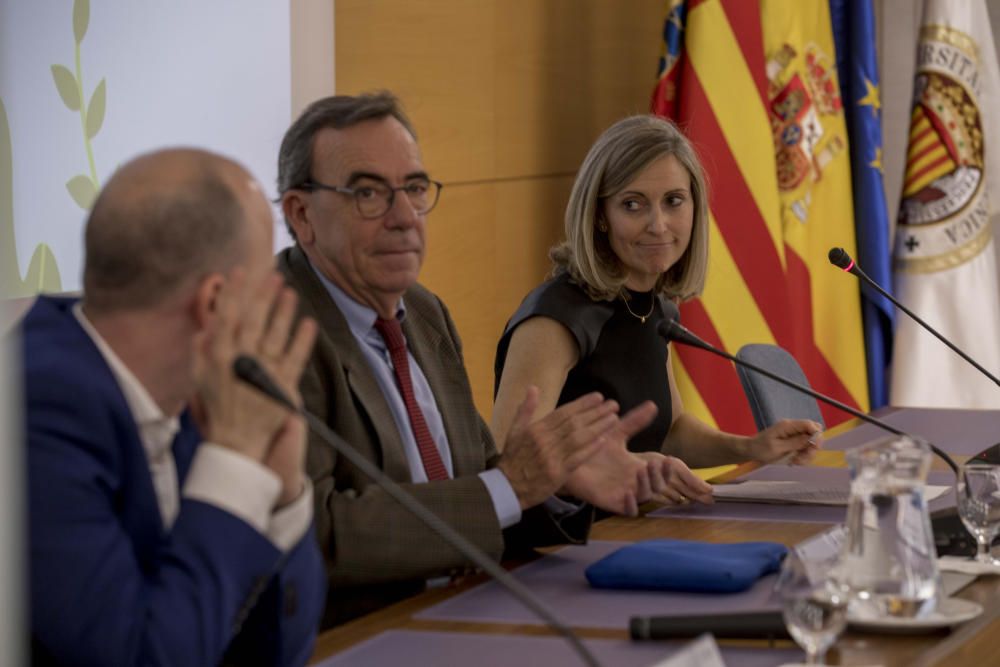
[355,196]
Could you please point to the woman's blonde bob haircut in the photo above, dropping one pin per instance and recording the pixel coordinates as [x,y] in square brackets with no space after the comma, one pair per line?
[614,161]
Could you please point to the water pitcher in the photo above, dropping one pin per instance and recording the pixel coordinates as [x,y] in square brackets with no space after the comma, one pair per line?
[889,561]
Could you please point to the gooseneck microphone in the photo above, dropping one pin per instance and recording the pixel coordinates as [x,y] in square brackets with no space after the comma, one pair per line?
[250,371]
[736,625]
[839,258]
[950,536]
[672,330]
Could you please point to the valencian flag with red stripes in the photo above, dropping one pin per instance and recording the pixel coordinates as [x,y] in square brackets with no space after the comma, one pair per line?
[753,84]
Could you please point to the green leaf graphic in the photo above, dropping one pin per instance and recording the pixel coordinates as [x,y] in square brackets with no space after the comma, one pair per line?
[43,274]
[81,19]
[66,85]
[83,191]
[95,111]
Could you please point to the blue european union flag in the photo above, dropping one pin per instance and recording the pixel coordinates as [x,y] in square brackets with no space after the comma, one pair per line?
[854,37]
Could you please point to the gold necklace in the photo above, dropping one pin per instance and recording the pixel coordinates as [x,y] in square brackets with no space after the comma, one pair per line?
[642,318]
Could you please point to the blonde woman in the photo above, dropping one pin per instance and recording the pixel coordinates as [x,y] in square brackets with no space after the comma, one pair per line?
[636,237]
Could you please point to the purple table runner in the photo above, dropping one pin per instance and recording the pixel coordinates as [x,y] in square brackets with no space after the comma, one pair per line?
[444,649]
[558,580]
[965,432]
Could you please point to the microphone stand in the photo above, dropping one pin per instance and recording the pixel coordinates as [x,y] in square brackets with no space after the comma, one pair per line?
[672,330]
[250,371]
[839,258]
[950,535]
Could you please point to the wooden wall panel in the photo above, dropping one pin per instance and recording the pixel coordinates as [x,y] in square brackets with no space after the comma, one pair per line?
[437,57]
[565,70]
[529,222]
[506,97]
[487,248]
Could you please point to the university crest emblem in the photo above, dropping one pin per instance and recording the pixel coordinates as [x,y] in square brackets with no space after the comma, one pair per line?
[944,216]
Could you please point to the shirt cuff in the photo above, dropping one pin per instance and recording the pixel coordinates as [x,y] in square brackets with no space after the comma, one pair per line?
[291,522]
[233,483]
[505,502]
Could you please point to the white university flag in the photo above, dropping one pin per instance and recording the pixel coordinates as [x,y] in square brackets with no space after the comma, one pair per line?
[945,263]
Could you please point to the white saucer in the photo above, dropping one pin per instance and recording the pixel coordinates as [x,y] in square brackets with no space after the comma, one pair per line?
[967,566]
[950,611]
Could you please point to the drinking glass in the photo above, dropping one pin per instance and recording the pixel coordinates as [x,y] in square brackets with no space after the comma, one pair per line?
[978,494]
[814,604]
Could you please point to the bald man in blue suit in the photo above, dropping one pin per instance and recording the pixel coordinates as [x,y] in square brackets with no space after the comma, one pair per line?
[157,538]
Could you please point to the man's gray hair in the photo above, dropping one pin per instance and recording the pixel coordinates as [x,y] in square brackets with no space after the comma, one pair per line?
[337,112]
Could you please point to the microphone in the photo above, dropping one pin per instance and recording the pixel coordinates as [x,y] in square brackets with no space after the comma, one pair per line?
[950,535]
[672,330]
[738,625]
[839,257]
[250,371]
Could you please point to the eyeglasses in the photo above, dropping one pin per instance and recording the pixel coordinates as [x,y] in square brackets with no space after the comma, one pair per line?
[375,199]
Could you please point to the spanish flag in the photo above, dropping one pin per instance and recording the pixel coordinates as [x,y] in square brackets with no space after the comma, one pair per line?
[754,86]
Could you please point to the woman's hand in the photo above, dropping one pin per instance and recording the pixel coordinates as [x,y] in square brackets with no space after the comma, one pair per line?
[672,482]
[792,441]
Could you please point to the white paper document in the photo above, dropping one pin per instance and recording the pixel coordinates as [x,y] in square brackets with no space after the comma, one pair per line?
[796,493]
[700,652]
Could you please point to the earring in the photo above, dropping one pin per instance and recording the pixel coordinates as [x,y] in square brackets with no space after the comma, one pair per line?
[602,226]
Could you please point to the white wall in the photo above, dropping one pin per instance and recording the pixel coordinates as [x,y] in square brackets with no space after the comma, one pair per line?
[313,74]
[212,74]
[13,645]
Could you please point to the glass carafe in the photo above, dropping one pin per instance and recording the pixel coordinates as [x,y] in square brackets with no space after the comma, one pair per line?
[889,561]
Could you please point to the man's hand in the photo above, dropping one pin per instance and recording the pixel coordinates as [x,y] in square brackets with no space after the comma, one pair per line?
[613,479]
[618,481]
[256,320]
[540,455]
[287,458]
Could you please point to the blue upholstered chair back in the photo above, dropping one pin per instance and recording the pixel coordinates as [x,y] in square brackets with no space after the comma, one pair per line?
[771,401]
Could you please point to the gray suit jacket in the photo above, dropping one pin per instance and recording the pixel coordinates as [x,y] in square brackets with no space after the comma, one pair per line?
[376,551]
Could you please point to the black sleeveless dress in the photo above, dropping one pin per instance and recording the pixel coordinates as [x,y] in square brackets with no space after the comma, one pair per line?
[620,356]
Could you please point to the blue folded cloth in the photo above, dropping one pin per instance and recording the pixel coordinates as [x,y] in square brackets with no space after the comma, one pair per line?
[683,565]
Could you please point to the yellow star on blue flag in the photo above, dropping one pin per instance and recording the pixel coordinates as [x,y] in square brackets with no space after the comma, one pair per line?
[877,160]
[854,35]
[871,99]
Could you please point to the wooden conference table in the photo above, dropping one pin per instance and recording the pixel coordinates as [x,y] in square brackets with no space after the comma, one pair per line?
[977,642]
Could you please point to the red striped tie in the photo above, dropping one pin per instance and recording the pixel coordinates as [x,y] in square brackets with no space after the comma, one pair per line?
[392,333]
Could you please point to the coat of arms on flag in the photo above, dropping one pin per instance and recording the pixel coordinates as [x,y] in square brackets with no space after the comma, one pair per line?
[944,162]
[944,255]
[799,100]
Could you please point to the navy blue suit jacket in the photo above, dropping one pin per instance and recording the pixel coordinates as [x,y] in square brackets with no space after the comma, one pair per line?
[109,586]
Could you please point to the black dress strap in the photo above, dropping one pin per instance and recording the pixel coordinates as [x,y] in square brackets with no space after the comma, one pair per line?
[565,302]
[621,355]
